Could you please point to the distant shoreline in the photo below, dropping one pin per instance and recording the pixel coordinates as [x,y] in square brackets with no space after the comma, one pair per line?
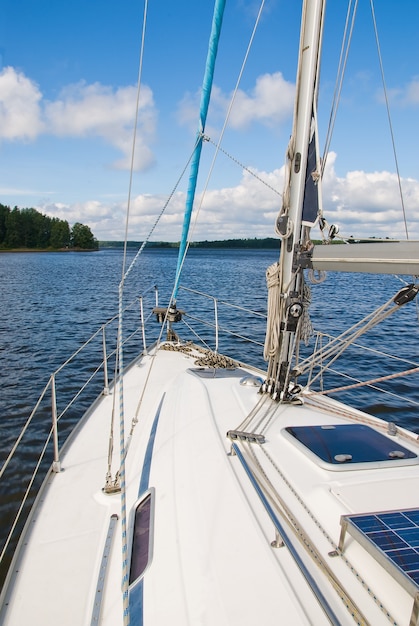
[266,243]
[18,250]
[270,243]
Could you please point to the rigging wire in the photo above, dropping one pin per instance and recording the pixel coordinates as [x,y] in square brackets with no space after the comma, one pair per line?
[323,357]
[346,42]
[224,127]
[133,262]
[134,137]
[343,59]
[158,218]
[199,138]
[389,117]
[242,166]
[119,356]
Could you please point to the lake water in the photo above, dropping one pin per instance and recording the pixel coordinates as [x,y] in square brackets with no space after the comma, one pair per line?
[51,303]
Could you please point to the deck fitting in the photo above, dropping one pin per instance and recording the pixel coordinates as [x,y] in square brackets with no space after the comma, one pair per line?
[277,542]
[244,436]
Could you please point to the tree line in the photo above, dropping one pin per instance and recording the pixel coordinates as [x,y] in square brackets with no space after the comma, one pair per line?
[28,228]
[255,243]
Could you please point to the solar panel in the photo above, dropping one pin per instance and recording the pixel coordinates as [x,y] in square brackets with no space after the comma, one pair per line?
[392,538]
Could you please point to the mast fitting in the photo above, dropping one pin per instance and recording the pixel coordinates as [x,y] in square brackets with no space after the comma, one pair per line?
[407,294]
[302,258]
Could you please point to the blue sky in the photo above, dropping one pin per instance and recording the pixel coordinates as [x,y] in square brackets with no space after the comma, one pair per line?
[67,96]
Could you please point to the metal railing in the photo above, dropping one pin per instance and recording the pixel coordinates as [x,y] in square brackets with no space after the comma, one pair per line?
[219,325]
[251,324]
[76,383]
[101,346]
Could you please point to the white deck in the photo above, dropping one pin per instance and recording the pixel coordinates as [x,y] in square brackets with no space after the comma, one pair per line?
[212,560]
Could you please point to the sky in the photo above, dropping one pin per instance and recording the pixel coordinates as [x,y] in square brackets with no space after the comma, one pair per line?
[68,76]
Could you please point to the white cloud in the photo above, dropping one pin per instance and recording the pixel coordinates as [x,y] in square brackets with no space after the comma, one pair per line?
[269,102]
[406,96]
[247,210]
[412,92]
[95,110]
[20,106]
[81,110]
[368,204]
[90,212]
[362,204]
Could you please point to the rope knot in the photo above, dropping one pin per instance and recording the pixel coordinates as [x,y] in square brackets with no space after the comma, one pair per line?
[273,275]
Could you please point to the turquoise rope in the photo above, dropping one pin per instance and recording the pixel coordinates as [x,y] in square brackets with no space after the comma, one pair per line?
[217,20]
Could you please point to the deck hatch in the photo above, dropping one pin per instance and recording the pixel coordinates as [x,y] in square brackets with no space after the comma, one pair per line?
[141,538]
[343,444]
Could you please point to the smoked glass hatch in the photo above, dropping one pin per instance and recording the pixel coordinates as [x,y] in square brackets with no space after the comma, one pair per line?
[349,443]
[141,539]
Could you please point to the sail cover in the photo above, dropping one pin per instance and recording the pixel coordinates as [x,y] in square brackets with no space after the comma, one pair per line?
[311,192]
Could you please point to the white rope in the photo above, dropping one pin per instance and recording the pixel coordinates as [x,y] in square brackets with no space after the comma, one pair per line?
[108,482]
[305,325]
[316,277]
[306,540]
[287,190]
[405,399]
[370,382]
[124,445]
[273,324]
[125,581]
[134,137]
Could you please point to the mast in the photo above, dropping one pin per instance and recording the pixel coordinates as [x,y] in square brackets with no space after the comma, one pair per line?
[299,209]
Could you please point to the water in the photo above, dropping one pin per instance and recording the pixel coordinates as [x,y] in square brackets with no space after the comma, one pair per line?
[52,302]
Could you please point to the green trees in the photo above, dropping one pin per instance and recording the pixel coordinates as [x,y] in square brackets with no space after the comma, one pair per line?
[60,234]
[82,237]
[28,228]
[14,234]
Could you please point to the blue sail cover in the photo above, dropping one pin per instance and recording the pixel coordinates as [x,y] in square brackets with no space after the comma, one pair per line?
[311,194]
[217,20]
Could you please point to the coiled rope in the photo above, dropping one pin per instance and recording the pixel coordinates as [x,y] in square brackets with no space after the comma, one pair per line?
[207,357]
[273,324]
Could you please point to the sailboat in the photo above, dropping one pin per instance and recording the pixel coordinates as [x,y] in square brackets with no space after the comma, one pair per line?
[237,495]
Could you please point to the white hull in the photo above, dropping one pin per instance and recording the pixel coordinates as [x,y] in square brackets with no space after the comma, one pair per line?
[211,561]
